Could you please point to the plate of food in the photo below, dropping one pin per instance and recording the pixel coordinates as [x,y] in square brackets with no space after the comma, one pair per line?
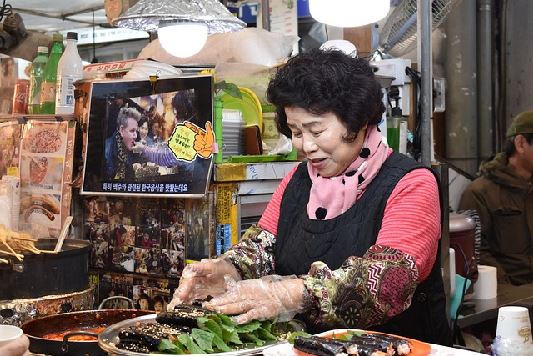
[190,330]
[349,342]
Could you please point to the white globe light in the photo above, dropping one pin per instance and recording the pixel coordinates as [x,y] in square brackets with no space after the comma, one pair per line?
[348,13]
[183,39]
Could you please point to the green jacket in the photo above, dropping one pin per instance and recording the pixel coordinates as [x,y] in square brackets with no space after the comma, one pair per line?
[504,202]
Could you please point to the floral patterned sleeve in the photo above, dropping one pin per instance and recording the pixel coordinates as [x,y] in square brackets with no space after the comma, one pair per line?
[253,256]
[364,291]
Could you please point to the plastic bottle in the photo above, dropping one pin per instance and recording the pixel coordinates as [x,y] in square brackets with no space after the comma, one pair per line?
[396,124]
[48,86]
[69,70]
[36,78]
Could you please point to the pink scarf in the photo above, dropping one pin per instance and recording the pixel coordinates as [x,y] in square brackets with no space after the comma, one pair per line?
[331,197]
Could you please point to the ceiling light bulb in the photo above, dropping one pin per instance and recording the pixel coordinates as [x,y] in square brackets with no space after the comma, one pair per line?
[348,13]
[183,39]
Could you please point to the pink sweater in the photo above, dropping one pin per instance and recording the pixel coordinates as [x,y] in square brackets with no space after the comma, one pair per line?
[411,222]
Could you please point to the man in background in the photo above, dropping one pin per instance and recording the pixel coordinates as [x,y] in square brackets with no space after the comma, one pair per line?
[503,198]
[119,146]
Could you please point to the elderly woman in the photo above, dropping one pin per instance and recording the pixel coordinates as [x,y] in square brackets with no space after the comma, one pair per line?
[351,235]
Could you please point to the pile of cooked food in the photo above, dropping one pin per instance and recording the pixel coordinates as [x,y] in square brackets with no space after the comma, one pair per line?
[15,244]
[193,330]
[353,343]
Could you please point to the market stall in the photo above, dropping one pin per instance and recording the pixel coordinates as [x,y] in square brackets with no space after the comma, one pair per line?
[162,165]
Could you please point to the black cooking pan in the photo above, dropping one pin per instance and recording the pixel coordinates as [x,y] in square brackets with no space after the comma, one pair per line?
[64,272]
[83,320]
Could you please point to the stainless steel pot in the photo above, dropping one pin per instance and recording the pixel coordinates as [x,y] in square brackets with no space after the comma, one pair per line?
[18,311]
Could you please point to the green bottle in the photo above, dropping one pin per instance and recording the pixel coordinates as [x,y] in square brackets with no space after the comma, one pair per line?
[36,79]
[394,126]
[48,86]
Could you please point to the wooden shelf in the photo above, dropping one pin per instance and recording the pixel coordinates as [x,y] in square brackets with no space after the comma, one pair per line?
[44,117]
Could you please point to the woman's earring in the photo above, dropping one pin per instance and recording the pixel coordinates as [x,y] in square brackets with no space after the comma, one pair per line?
[365,152]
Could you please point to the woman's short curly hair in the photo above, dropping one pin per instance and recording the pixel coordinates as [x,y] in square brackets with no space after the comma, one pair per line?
[322,81]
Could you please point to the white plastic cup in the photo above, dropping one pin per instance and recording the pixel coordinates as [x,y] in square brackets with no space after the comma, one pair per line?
[514,324]
[487,283]
[9,333]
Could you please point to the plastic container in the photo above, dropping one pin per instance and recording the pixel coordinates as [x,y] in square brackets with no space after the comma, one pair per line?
[48,86]
[462,231]
[69,70]
[36,79]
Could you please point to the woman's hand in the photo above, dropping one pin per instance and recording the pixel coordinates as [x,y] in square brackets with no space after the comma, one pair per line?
[203,279]
[259,299]
[17,347]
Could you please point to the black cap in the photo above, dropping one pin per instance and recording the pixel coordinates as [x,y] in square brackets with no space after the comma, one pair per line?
[72,36]
[396,111]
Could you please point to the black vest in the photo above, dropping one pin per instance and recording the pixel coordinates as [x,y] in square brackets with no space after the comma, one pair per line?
[302,241]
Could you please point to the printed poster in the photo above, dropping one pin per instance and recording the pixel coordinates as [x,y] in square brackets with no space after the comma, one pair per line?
[46,154]
[10,135]
[146,140]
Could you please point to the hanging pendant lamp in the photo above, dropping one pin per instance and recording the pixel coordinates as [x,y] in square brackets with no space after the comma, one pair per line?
[181,25]
[348,13]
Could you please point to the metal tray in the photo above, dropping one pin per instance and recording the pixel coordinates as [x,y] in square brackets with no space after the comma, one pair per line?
[109,338]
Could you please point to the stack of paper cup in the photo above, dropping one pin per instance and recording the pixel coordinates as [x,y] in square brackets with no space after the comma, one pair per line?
[14,199]
[14,184]
[487,282]
[513,332]
[9,333]
[5,204]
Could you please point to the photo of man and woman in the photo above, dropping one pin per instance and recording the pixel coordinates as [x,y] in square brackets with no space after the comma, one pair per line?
[150,298]
[145,145]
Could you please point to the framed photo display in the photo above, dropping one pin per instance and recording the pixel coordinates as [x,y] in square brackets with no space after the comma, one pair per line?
[150,139]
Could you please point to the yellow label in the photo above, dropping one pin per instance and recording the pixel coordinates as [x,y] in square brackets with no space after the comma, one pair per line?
[182,143]
[13,171]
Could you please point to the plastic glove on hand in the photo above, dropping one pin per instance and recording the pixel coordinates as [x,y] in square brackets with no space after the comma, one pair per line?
[259,299]
[203,279]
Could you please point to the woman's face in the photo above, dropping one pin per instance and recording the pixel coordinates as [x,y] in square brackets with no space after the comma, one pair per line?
[156,129]
[143,303]
[320,139]
[158,306]
[143,130]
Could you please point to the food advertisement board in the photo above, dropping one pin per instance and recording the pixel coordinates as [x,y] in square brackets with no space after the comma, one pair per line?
[10,135]
[150,139]
[46,154]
